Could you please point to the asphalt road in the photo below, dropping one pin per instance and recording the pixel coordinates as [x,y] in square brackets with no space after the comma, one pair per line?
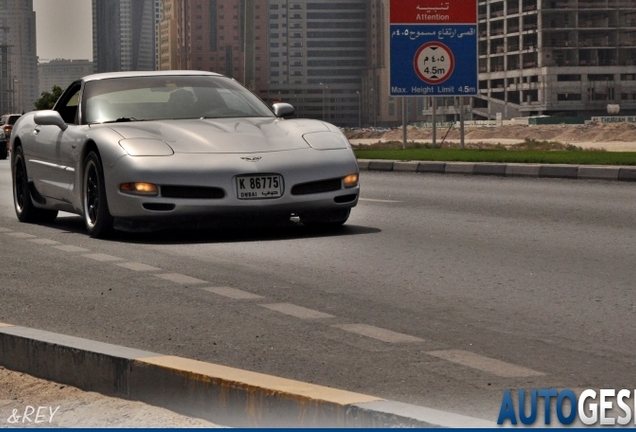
[440,291]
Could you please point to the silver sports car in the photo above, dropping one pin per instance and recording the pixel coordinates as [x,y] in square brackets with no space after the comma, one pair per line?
[184,146]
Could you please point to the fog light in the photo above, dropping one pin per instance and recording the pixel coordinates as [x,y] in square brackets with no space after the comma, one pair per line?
[351,180]
[139,189]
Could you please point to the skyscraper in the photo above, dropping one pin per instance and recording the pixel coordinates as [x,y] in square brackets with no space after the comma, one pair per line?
[18,56]
[124,35]
[309,53]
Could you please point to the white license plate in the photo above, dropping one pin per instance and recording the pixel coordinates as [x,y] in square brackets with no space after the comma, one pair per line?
[259,186]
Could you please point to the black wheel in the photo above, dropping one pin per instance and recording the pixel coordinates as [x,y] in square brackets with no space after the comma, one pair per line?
[99,222]
[325,219]
[24,208]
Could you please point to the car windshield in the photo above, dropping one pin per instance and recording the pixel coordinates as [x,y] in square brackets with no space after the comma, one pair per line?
[169,97]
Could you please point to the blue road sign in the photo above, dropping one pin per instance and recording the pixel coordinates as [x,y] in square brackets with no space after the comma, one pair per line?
[433,48]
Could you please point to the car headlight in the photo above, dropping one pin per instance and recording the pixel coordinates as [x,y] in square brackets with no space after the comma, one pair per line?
[326,140]
[146,147]
[139,188]
[351,180]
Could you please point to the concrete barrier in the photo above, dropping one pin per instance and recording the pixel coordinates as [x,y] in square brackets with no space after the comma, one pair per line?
[490,169]
[380,165]
[432,167]
[598,173]
[460,168]
[522,170]
[583,172]
[221,394]
[410,166]
[559,171]
[627,174]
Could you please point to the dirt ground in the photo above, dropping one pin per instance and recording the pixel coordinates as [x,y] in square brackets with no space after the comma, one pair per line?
[610,137]
[26,401]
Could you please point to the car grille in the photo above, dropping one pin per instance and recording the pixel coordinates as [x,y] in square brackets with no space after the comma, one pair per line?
[192,192]
[317,187]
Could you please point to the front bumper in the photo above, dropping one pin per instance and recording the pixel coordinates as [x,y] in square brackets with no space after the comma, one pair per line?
[218,171]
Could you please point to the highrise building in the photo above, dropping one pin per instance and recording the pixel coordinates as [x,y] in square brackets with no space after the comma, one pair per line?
[317,54]
[124,34]
[62,72]
[309,53]
[18,56]
[556,57]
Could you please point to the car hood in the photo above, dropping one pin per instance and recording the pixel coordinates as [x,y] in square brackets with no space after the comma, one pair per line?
[247,135]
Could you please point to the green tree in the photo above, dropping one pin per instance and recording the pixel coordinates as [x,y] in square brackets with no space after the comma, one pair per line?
[47,100]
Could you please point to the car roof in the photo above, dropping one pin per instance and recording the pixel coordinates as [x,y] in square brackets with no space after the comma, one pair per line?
[136,74]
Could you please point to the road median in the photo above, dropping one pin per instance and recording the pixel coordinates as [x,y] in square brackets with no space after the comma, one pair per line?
[577,172]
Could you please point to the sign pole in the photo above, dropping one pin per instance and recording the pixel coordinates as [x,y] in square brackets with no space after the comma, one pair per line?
[461,122]
[404,123]
[434,103]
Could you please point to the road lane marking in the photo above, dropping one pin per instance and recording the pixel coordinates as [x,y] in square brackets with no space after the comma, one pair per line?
[378,333]
[70,248]
[138,266]
[102,257]
[233,293]
[45,242]
[180,278]
[378,200]
[485,364]
[20,235]
[296,311]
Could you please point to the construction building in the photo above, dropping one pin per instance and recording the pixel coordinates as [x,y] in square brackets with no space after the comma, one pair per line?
[566,58]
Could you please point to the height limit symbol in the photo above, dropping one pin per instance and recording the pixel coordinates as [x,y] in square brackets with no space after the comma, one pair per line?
[434,63]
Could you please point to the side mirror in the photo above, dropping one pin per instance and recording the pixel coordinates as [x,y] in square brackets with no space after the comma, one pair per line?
[49,118]
[282,109]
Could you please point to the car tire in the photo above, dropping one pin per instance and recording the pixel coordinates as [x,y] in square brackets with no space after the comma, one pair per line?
[97,217]
[24,208]
[325,219]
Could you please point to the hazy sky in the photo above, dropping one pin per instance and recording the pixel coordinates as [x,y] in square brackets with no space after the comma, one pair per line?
[64,29]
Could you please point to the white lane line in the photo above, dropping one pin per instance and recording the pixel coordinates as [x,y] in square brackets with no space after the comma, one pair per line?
[180,278]
[378,333]
[485,364]
[233,293]
[20,235]
[46,242]
[378,200]
[70,248]
[138,266]
[5,230]
[102,257]
[296,311]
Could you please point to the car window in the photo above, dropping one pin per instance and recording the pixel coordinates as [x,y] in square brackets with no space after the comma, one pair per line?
[173,97]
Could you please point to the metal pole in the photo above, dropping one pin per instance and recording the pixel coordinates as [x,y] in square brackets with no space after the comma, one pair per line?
[403,123]
[434,102]
[461,121]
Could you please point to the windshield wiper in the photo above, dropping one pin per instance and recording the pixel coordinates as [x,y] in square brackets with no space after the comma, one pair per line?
[122,120]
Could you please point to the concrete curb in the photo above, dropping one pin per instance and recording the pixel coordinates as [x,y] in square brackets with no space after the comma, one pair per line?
[223,395]
[584,172]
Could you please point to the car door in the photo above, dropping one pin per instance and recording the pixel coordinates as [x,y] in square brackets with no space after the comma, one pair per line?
[54,150]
